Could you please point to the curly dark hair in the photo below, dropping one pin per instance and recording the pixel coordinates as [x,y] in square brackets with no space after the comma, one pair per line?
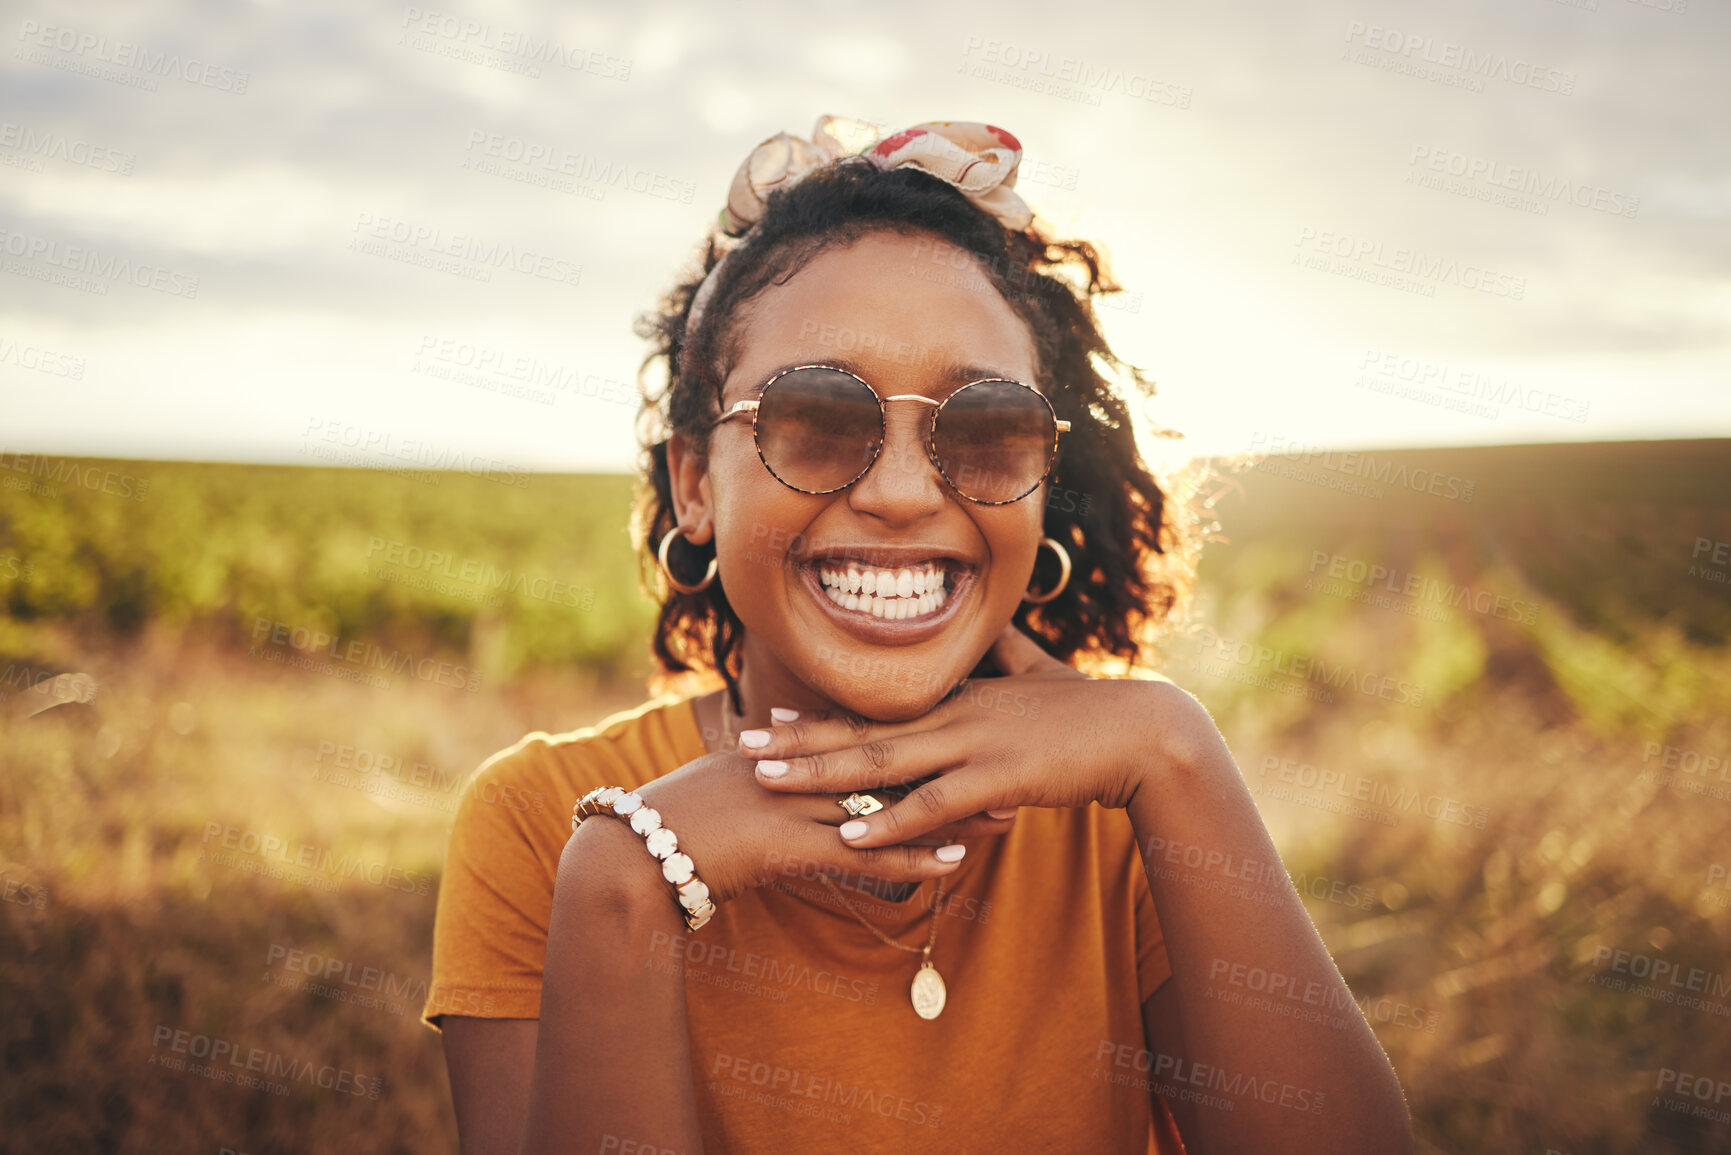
[1102,501]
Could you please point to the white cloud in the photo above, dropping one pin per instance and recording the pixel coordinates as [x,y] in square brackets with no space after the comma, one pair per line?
[1200,204]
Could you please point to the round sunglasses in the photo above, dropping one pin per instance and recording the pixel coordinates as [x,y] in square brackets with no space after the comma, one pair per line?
[819,429]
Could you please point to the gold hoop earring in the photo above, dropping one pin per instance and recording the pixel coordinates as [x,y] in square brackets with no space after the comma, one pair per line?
[1063,574]
[667,572]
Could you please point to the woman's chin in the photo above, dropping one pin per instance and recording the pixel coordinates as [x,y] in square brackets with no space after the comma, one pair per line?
[888,703]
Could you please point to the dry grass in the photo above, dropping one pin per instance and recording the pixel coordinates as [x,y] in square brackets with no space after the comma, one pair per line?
[104,810]
[1482,946]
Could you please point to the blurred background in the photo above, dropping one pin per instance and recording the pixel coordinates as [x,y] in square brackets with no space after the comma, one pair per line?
[316,332]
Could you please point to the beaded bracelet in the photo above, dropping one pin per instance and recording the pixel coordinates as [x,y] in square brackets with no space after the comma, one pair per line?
[677,868]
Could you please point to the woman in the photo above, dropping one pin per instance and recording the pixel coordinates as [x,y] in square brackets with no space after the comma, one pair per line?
[894,888]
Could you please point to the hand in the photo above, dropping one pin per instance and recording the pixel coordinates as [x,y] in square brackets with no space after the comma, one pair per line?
[1043,735]
[740,836]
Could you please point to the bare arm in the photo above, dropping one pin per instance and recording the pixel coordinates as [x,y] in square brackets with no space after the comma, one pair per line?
[607,1065]
[613,1055]
[1233,921]
[489,1061]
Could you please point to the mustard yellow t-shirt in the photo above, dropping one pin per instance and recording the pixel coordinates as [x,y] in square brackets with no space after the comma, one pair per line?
[803,1037]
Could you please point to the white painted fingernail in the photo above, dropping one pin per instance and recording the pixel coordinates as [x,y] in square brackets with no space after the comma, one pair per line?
[950,853]
[1010,813]
[783,715]
[772,768]
[755,739]
[852,830]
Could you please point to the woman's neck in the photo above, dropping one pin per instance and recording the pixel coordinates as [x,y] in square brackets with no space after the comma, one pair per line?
[763,683]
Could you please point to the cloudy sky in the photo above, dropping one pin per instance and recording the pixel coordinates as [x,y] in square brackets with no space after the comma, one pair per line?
[265,231]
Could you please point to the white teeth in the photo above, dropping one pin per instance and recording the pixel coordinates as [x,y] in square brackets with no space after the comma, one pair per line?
[909,592]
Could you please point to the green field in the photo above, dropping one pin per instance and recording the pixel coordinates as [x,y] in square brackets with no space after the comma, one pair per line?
[1490,767]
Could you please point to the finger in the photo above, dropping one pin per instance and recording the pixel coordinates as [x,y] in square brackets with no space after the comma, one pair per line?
[818,732]
[976,826]
[1017,653]
[907,863]
[871,765]
[944,800]
[979,826]
[903,863]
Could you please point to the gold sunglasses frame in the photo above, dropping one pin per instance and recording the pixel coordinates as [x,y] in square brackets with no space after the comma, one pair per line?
[1060,427]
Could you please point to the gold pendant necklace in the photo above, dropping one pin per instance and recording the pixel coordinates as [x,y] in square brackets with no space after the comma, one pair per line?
[928,993]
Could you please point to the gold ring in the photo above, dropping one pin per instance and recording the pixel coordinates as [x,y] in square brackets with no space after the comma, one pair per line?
[858,804]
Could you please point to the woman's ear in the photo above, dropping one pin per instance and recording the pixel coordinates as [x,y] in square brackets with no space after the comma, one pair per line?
[688,477]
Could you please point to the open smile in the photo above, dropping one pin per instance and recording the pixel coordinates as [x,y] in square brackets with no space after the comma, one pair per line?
[882,602]
[895,594]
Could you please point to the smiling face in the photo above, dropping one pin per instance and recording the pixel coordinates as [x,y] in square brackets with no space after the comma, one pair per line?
[808,574]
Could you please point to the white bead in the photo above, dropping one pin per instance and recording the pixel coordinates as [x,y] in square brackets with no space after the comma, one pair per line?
[625,804]
[693,895]
[677,868]
[645,819]
[661,842]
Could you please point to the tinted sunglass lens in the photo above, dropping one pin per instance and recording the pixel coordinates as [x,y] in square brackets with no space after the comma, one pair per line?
[818,429]
[995,440]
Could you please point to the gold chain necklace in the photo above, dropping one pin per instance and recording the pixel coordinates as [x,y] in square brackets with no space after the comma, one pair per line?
[928,992]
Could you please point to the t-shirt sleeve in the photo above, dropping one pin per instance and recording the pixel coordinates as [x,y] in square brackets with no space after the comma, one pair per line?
[496,893]
[1152,968]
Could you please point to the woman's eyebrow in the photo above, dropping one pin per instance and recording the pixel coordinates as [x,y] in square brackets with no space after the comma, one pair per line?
[957,373]
[963,374]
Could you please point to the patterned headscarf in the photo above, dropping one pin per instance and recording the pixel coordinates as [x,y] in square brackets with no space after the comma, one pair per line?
[979,160]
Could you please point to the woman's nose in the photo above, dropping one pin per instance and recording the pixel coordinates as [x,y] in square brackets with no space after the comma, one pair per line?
[902,482]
